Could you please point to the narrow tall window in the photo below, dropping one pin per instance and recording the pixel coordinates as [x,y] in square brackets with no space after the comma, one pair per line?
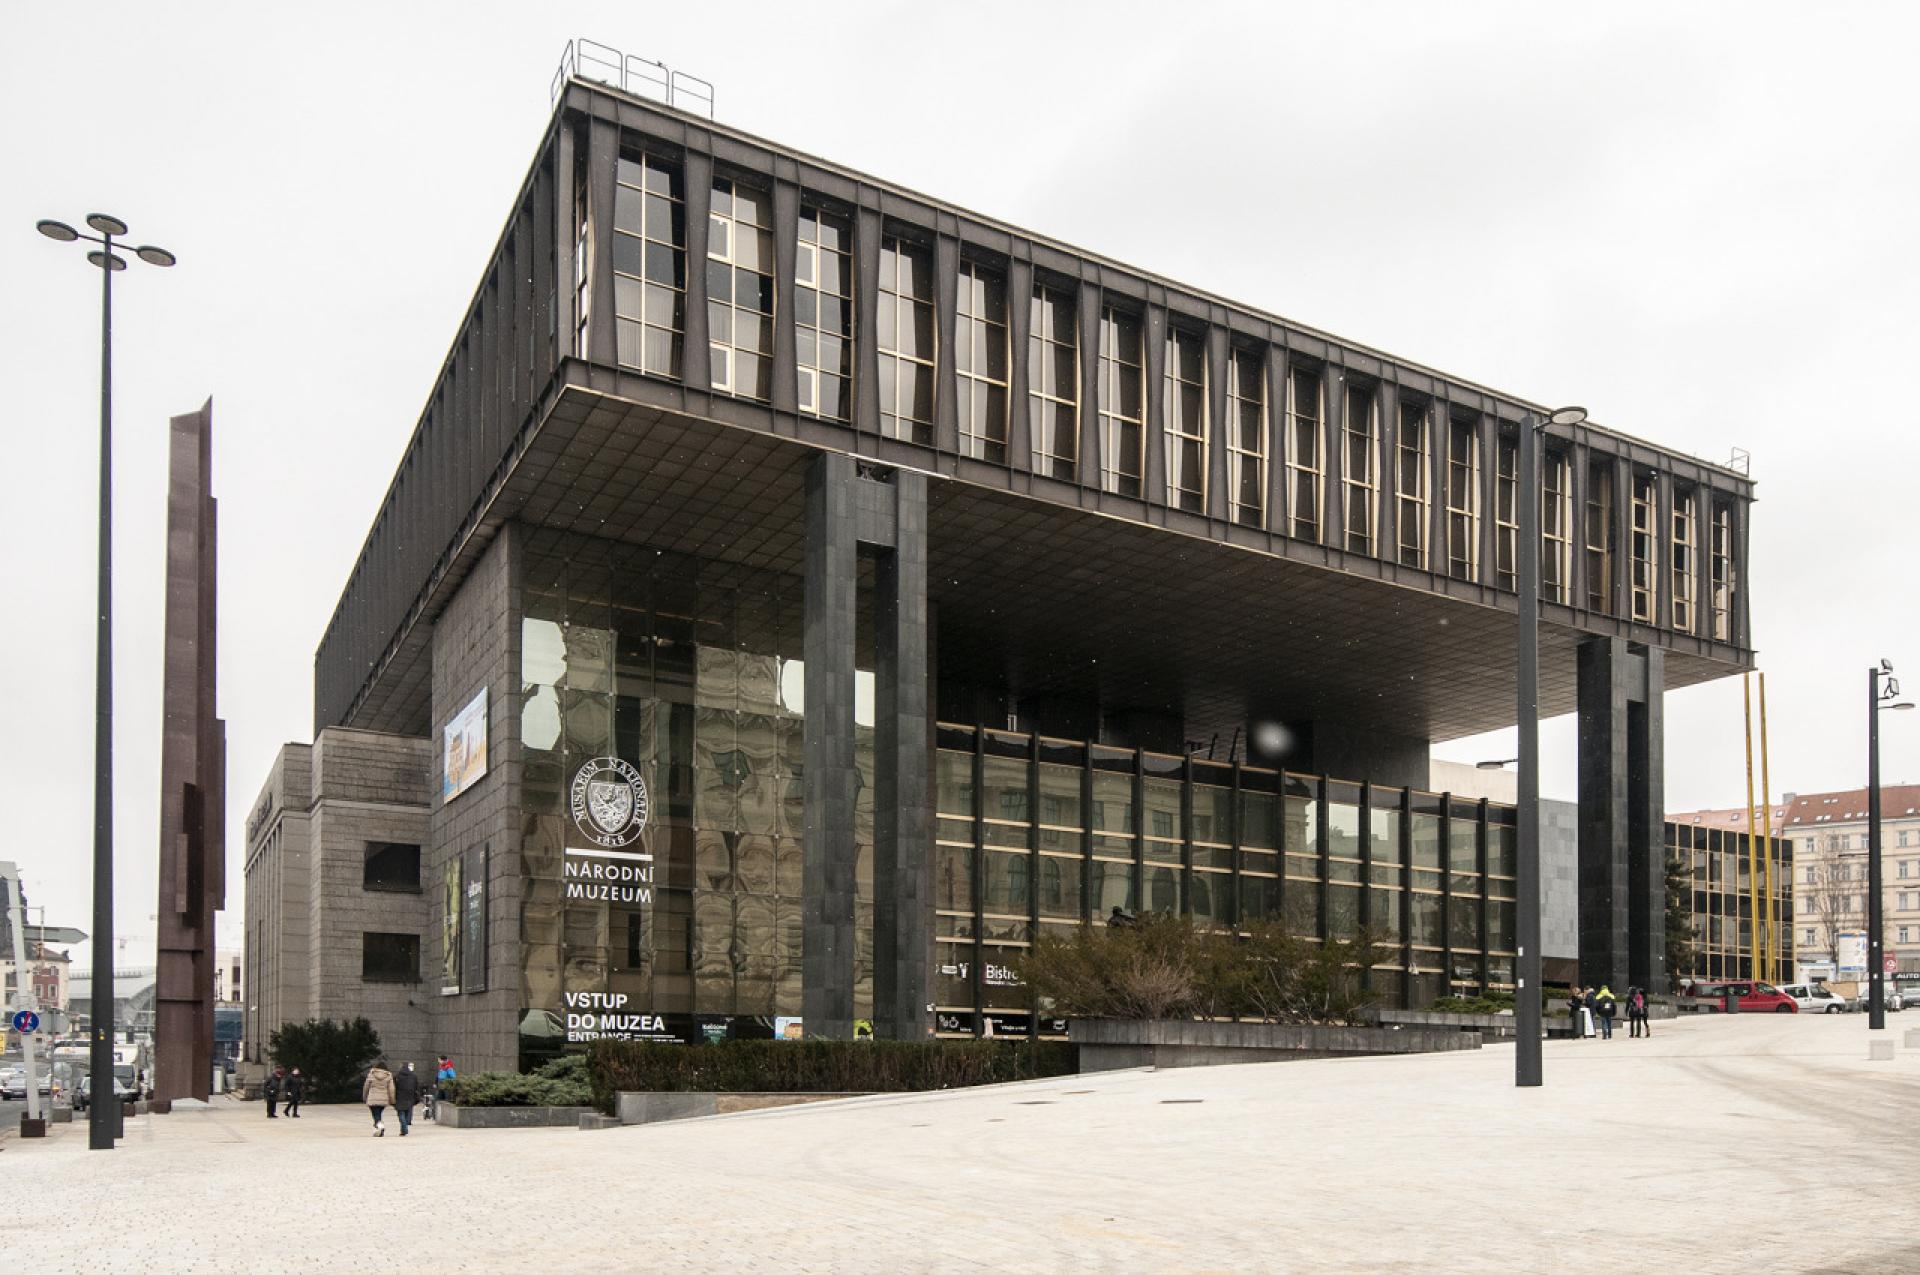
[1185,418]
[1686,543]
[1122,402]
[1723,584]
[1053,383]
[1306,463]
[740,290]
[904,328]
[1361,477]
[1599,536]
[980,357]
[1463,497]
[1556,527]
[1412,502]
[1646,548]
[649,265]
[582,268]
[823,313]
[1506,513]
[1247,437]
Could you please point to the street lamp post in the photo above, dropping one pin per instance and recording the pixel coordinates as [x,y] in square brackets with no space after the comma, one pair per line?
[1526,998]
[1878,700]
[100,1114]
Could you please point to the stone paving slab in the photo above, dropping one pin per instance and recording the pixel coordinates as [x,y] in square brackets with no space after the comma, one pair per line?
[1705,1149]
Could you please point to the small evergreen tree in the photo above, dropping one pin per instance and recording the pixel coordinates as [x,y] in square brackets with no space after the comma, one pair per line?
[1679,923]
[332,1057]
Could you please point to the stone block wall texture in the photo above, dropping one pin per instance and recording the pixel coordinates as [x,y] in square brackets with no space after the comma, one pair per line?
[476,643]
[278,925]
[1560,880]
[367,786]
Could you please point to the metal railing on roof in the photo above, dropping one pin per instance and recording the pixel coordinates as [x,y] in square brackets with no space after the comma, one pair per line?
[642,77]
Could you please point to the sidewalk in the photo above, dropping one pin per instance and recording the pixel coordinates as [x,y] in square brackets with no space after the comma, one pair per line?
[1692,1151]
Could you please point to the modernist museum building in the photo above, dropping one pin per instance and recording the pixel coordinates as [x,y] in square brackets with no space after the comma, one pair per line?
[797,594]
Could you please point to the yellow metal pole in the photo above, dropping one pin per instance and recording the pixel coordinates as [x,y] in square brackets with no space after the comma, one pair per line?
[1753,873]
[1766,843]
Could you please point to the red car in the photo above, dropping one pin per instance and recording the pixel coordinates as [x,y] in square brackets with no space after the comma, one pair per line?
[1755,998]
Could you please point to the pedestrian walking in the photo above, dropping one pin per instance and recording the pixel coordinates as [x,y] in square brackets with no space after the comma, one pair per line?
[1637,1021]
[272,1091]
[406,1095]
[296,1089]
[443,1076]
[377,1093]
[1605,1003]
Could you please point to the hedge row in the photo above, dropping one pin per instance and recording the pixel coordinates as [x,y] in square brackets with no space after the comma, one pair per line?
[818,1066]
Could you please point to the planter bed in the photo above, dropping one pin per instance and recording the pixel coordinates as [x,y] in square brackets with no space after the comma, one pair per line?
[1107,1044]
[652,1108]
[456,1117]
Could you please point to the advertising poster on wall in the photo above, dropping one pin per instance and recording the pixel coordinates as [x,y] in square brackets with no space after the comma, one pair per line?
[464,758]
[473,923]
[450,912]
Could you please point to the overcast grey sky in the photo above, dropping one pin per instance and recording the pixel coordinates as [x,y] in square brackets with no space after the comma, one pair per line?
[1697,220]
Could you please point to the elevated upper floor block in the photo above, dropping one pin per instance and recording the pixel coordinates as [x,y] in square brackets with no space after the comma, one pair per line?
[677,314]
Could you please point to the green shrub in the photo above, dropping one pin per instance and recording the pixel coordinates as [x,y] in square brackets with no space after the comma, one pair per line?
[1485,1004]
[817,1066]
[332,1057]
[1165,966]
[511,1089]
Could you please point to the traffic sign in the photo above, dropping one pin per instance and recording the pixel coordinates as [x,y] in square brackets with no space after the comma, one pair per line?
[1890,963]
[26,1022]
[53,934]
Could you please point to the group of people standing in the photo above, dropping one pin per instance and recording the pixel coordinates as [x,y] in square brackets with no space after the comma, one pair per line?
[381,1089]
[1592,1011]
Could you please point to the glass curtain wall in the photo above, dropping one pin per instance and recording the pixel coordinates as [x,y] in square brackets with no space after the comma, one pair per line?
[1713,863]
[1053,383]
[823,313]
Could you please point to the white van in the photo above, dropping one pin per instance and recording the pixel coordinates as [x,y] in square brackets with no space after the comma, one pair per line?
[1814,998]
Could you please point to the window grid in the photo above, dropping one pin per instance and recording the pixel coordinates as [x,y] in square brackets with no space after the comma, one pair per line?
[1556,531]
[823,314]
[1645,548]
[1599,536]
[649,265]
[1411,497]
[1506,513]
[1360,480]
[1185,432]
[582,268]
[1053,383]
[1463,498]
[1122,402]
[1686,531]
[740,290]
[905,332]
[1247,437]
[1723,584]
[980,358]
[1306,466]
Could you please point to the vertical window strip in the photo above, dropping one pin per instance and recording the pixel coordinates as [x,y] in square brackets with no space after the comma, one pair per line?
[823,314]
[1463,498]
[1360,477]
[905,332]
[1506,514]
[740,291]
[1411,492]
[1723,582]
[1185,421]
[1122,402]
[1599,536]
[1645,548]
[1686,532]
[980,358]
[1556,532]
[1247,437]
[1306,461]
[649,265]
[582,268]
[1053,383]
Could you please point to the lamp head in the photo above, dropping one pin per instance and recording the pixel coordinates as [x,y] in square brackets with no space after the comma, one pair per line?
[1568,416]
[57,230]
[154,256]
[106,225]
[1886,665]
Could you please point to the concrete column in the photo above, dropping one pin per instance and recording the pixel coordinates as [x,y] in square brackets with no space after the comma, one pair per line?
[902,863]
[1488,530]
[1153,469]
[1646,821]
[1577,480]
[1333,498]
[1219,379]
[696,358]
[1279,489]
[831,784]
[1090,440]
[946,269]
[866,302]
[1386,513]
[603,152]
[786,237]
[1622,865]
[1019,328]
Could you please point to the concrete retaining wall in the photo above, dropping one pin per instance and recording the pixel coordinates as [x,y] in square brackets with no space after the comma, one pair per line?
[651,1108]
[455,1117]
[1108,1045]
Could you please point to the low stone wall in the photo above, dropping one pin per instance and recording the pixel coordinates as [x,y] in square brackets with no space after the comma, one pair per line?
[1499,1025]
[451,1116]
[1109,1045]
[652,1108]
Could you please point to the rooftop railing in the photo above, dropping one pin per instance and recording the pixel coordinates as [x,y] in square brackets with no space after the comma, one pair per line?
[590,60]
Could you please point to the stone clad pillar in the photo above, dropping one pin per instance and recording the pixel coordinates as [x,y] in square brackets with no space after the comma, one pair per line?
[902,763]
[1622,849]
[831,782]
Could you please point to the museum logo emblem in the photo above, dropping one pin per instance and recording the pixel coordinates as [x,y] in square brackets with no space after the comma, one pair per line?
[609,802]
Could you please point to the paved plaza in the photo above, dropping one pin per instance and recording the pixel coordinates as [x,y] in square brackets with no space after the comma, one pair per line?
[1747,1144]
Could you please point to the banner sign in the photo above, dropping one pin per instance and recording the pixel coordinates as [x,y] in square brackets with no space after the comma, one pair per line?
[465,749]
[473,923]
[450,913]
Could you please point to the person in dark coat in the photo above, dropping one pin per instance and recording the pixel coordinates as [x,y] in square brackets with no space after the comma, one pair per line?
[272,1091]
[295,1090]
[406,1095]
[1637,1024]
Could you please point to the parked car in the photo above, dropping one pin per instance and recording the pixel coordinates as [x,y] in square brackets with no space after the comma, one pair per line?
[1815,998]
[13,1084]
[1755,997]
[1892,997]
[83,1095]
